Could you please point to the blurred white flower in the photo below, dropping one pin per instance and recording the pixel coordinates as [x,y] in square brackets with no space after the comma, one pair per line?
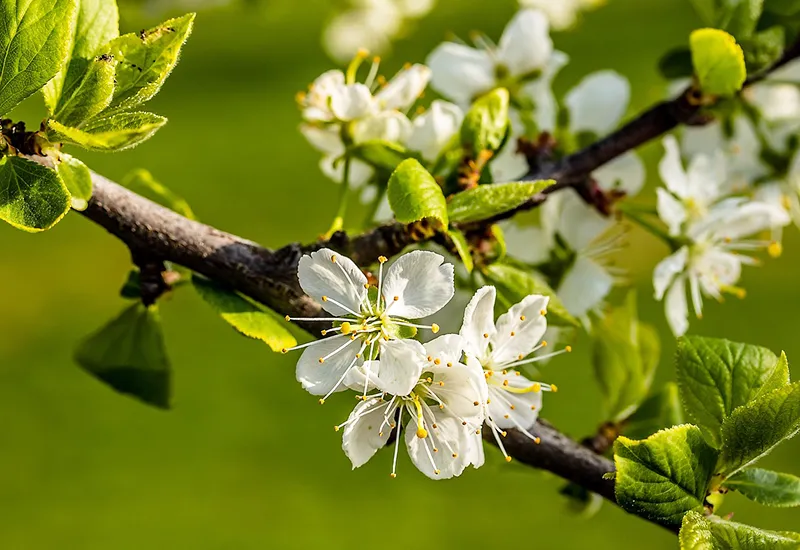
[782,192]
[561,13]
[435,129]
[444,407]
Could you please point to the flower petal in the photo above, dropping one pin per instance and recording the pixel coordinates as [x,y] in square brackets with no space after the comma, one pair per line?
[327,139]
[403,90]
[461,389]
[434,129]
[525,45]
[519,330]
[364,435]
[671,169]
[447,348]
[584,286]
[320,378]
[671,211]
[478,327]
[541,93]
[676,308]
[326,273]
[509,164]
[513,410]
[352,101]
[333,167]
[418,284]
[390,126]
[667,269]
[447,438]
[527,243]
[598,102]
[400,366]
[460,73]
[579,224]
[625,173]
[316,106]
[706,175]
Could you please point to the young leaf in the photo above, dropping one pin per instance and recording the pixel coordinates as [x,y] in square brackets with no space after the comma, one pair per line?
[752,431]
[414,194]
[625,355]
[700,532]
[32,197]
[657,412]
[763,49]
[129,355]
[145,60]
[462,247]
[486,201]
[718,62]
[97,23]
[783,7]
[716,376]
[78,179]
[739,17]
[34,41]
[87,90]
[513,284]
[766,487]
[706,10]
[109,133]
[143,183]
[486,123]
[245,316]
[664,476]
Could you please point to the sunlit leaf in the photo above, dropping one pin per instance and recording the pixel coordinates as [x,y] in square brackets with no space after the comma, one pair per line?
[32,197]
[109,133]
[485,201]
[78,179]
[766,487]
[414,194]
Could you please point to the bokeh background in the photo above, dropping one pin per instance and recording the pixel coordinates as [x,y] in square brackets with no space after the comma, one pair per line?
[246,459]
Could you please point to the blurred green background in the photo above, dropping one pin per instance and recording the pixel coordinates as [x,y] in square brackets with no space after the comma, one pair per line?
[246,459]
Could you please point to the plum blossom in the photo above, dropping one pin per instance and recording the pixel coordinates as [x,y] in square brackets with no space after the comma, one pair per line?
[562,14]
[498,349]
[435,129]
[371,322]
[438,414]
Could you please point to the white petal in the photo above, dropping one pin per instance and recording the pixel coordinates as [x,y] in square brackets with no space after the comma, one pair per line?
[460,73]
[598,102]
[333,167]
[541,93]
[526,321]
[705,175]
[671,169]
[671,211]
[434,129]
[316,104]
[401,364]
[472,447]
[320,378]
[578,223]
[584,286]
[363,436]
[390,126]
[352,30]
[667,269]
[527,243]
[525,45]
[478,327]
[448,438]
[356,378]
[403,90]
[459,387]
[526,406]
[421,282]
[327,139]
[778,102]
[351,102]
[509,165]
[702,139]
[625,173]
[748,219]
[676,308]
[447,348]
[327,273]
[717,268]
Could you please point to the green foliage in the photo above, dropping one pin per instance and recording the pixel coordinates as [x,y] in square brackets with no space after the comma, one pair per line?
[414,194]
[486,123]
[718,62]
[87,90]
[78,179]
[129,355]
[114,132]
[245,316]
[462,247]
[32,197]
[700,532]
[739,17]
[485,201]
[752,431]
[143,183]
[782,7]
[764,48]
[766,487]
[676,63]
[659,411]
[625,355]
[716,376]
[380,154]
[513,283]
[664,476]
[34,40]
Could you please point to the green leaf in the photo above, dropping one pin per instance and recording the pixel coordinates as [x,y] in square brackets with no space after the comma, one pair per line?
[718,62]
[34,42]
[766,487]
[486,201]
[88,89]
[97,23]
[145,60]
[716,376]
[514,283]
[78,179]
[657,412]
[143,183]
[486,123]
[625,356]
[700,532]
[740,17]
[664,476]
[380,154]
[32,197]
[414,194]
[752,431]
[706,10]
[462,247]
[245,316]
[109,133]
[783,7]
[129,355]
[676,63]
[763,49]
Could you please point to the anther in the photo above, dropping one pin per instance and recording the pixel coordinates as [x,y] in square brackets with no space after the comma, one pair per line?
[476,403]
[321,401]
[513,333]
[321,360]
[553,388]
[393,475]
[508,459]
[382,259]
[441,407]
[346,328]
[434,328]
[284,350]
[504,433]
[430,358]
[396,298]
[449,364]
[455,455]
[568,349]
[436,472]
[485,334]
[533,407]
[324,298]
[511,407]
[505,382]
[537,440]
[333,258]
[544,343]
[441,382]
[543,312]
[521,317]
[323,332]
[505,416]
[288,318]
[422,433]
[336,428]
[536,388]
[437,361]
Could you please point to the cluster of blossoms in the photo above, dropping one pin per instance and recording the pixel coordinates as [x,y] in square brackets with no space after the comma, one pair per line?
[436,395]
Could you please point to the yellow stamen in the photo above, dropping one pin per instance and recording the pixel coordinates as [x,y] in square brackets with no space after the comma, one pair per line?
[775,249]
[346,328]
[434,328]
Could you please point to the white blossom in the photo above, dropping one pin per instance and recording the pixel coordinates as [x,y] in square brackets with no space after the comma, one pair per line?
[561,13]
[435,129]
[370,322]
